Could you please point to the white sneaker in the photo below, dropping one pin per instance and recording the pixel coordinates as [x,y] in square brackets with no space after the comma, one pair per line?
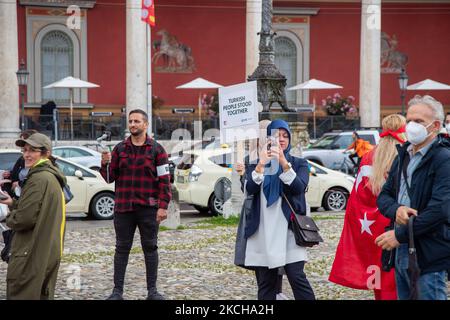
[281,296]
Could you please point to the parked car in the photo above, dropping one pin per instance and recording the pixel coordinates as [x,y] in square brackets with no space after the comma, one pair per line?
[198,172]
[328,151]
[92,195]
[81,155]
[175,158]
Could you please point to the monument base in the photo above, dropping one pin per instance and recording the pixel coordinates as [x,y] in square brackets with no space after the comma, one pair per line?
[299,129]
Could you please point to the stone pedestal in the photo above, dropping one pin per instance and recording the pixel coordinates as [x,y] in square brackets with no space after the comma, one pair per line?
[299,129]
[173,212]
[300,136]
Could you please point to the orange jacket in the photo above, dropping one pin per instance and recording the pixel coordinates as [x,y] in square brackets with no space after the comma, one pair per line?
[361,147]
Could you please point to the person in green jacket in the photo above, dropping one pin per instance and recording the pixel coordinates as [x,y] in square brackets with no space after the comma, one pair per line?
[38,221]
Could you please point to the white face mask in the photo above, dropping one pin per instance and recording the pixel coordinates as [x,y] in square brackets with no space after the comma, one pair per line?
[417,133]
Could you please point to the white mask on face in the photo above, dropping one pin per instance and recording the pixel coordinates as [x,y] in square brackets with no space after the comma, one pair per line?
[417,133]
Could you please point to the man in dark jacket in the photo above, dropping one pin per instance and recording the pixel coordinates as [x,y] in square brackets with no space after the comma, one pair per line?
[419,185]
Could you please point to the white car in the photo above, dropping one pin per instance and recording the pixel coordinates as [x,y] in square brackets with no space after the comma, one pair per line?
[198,172]
[92,195]
[81,155]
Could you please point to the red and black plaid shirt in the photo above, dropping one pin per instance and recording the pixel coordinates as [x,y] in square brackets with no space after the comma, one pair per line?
[140,179]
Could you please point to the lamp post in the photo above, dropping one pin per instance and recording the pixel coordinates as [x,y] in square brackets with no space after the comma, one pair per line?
[403,83]
[22,79]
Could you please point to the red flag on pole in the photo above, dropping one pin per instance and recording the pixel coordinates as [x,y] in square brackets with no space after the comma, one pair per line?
[148,12]
[357,262]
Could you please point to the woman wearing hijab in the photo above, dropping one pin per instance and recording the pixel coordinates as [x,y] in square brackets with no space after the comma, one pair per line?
[270,242]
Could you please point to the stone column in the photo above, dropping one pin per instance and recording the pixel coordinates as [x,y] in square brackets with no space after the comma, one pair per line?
[253,26]
[136,58]
[9,88]
[369,82]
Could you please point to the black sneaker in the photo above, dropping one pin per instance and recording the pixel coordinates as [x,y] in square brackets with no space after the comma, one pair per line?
[155,295]
[115,296]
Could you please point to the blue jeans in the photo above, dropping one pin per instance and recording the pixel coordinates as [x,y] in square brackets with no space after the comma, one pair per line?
[431,286]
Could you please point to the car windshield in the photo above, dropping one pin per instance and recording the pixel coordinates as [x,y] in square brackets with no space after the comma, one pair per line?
[339,142]
[323,143]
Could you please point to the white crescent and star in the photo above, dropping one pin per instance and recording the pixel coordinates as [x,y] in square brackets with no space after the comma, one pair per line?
[365,224]
[364,171]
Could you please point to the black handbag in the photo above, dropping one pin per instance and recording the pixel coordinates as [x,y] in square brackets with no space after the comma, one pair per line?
[306,231]
[7,239]
[388,256]
[68,195]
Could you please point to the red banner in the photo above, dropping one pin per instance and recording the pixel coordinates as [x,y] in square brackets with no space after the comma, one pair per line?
[148,12]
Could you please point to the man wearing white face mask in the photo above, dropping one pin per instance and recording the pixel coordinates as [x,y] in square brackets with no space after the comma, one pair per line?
[447,122]
[419,185]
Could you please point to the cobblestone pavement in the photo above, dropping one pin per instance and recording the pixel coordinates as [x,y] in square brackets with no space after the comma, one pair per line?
[195,263]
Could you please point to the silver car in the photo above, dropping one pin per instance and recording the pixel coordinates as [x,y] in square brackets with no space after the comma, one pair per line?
[329,150]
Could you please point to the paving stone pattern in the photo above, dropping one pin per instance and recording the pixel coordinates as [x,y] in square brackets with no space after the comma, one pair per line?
[195,263]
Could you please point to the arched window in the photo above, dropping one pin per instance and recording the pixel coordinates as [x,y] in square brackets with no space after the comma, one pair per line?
[56,64]
[286,62]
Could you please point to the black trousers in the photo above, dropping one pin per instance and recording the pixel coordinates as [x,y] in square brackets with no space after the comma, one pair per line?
[267,280]
[358,161]
[125,225]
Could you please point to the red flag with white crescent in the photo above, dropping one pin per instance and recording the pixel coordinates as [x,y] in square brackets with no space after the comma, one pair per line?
[148,12]
[357,262]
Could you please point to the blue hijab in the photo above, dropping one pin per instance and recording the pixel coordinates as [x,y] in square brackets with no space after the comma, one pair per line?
[273,186]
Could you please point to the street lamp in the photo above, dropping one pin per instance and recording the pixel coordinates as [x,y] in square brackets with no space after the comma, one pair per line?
[403,83]
[22,79]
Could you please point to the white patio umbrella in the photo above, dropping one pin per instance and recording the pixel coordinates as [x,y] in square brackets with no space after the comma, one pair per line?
[71,83]
[428,84]
[199,83]
[315,84]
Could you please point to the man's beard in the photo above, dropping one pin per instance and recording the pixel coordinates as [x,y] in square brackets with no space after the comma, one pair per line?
[138,132]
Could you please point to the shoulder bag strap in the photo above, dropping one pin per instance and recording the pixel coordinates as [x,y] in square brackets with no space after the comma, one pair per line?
[405,175]
[289,204]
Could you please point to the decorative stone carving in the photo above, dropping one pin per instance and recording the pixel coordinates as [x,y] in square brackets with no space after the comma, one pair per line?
[176,56]
[392,61]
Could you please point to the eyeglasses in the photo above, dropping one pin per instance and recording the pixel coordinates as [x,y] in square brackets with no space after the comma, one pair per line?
[29,150]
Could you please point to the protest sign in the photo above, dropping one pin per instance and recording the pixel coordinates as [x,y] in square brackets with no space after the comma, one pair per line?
[238,112]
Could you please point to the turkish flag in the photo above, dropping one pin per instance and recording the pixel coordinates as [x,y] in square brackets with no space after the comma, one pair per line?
[357,262]
[148,12]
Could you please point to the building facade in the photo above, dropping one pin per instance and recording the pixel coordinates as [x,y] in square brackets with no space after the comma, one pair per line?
[209,39]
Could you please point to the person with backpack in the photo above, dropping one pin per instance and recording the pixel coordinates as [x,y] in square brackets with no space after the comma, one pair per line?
[139,166]
[38,221]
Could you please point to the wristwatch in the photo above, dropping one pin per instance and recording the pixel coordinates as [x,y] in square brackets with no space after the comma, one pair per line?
[289,167]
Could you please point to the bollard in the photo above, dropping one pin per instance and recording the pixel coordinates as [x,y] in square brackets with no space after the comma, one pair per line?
[173,211]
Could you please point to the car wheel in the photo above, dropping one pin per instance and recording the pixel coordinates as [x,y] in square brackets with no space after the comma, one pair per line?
[335,199]
[202,210]
[215,205]
[102,206]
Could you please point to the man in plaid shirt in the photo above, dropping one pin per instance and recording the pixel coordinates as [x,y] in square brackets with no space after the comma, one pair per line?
[140,168]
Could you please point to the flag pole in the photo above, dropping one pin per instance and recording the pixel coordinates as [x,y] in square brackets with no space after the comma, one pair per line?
[149,80]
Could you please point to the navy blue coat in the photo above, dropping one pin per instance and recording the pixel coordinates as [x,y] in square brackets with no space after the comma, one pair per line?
[295,193]
[430,187]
